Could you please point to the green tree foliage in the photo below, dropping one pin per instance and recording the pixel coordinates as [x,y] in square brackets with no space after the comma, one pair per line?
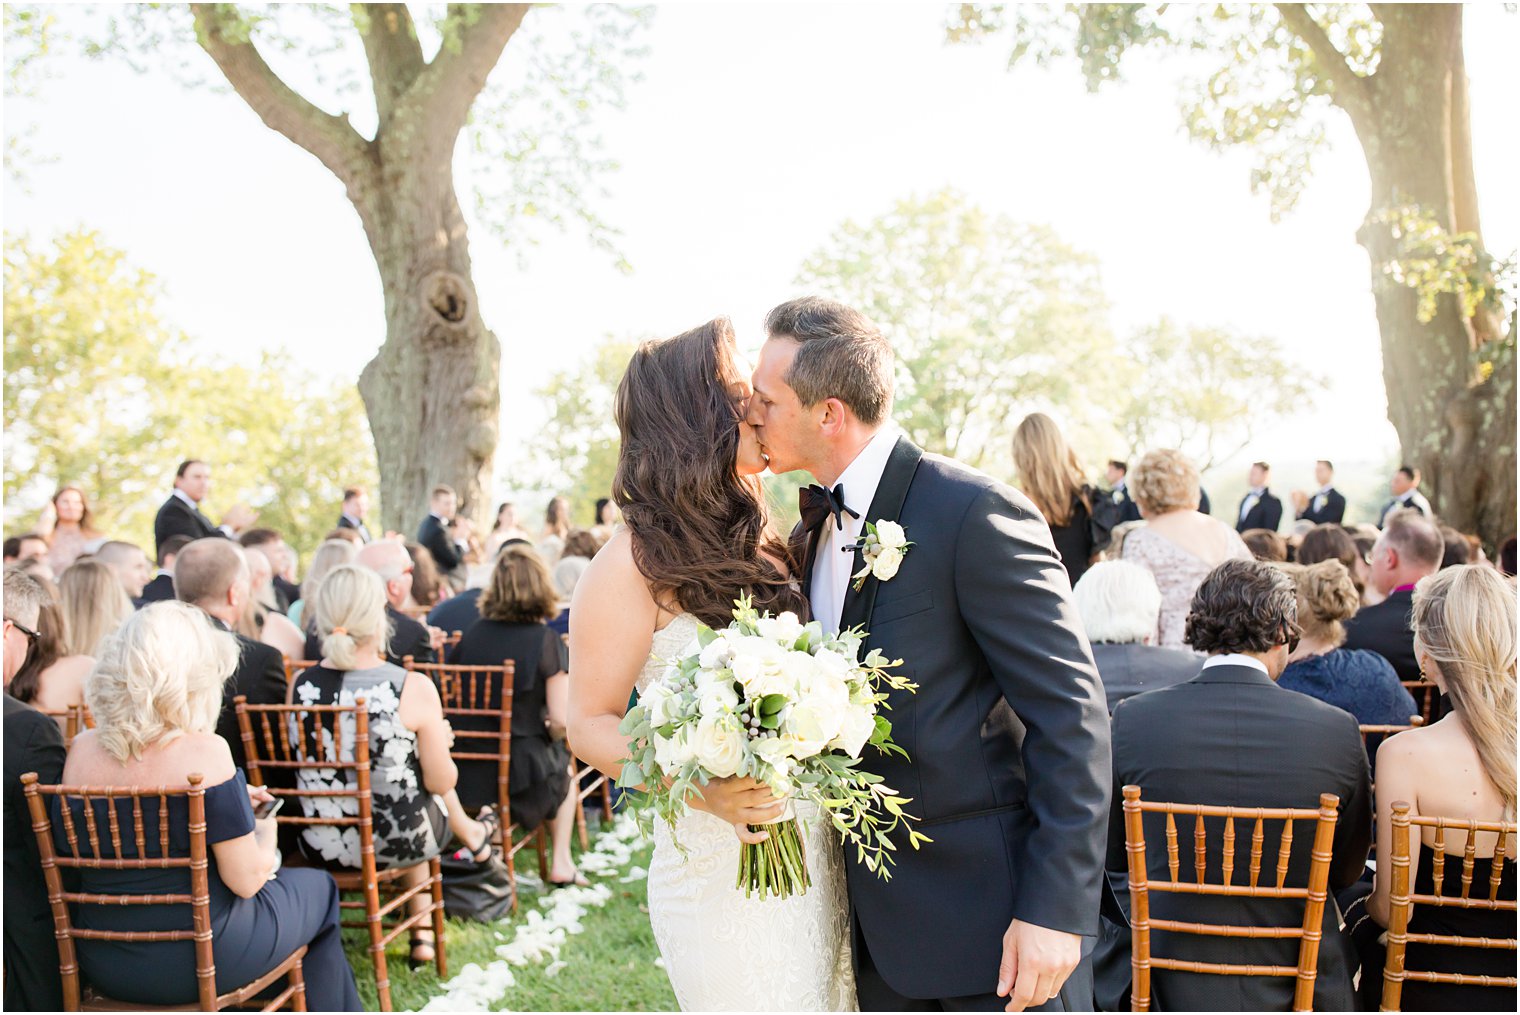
[990,318]
[103,392]
[581,437]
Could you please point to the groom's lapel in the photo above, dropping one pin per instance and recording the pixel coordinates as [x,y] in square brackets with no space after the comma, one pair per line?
[804,549]
[890,494]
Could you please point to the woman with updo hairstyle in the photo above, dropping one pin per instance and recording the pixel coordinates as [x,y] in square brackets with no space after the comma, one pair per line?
[1461,767]
[156,693]
[1358,681]
[1178,545]
[412,776]
[1329,541]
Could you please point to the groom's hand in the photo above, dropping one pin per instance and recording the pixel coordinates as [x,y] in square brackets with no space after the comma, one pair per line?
[1036,962]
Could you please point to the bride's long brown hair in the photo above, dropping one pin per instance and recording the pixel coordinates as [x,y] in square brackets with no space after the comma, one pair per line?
[700,530]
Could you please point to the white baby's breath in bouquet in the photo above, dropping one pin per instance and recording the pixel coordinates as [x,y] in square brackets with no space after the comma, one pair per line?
[788,705]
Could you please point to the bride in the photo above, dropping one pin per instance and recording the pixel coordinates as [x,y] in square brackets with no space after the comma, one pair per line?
[696,537]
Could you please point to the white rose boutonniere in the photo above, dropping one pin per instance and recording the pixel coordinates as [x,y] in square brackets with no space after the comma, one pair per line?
[882,548]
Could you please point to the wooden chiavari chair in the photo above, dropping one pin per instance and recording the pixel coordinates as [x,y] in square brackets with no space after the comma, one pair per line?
[138,837]
[280,737]
[468,693]
[294,666]
[451,641]
[1140,886]
[1402,899]
[588,780]
[1426,695]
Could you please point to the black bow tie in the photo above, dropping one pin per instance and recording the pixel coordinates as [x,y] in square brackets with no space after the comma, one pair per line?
[818,504]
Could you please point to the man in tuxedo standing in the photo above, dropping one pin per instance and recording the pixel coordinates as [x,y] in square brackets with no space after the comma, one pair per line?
[445,536]
[1409,548]
[162,585]
[1118,491]
[181,513]
[212,575]
[355,507]
[1327,505]
[32,744]
[1259,509]
[1405,487]
[1007,735]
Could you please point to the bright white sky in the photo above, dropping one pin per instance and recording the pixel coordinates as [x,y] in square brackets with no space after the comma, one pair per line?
[758,128]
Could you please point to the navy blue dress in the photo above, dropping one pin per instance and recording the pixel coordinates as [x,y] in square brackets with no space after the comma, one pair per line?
[249,936]
[1356,681]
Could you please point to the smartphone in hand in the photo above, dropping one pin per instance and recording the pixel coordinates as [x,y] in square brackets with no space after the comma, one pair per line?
[268,808]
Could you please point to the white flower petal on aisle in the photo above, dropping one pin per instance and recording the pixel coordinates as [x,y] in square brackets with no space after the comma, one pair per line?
[544,931]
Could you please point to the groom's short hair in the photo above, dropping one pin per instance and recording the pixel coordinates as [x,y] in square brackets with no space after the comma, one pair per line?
[843,355]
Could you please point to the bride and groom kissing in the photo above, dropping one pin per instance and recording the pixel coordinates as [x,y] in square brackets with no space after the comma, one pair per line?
[1006,737]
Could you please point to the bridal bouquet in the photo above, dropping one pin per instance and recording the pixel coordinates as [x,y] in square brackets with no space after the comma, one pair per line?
[789,706]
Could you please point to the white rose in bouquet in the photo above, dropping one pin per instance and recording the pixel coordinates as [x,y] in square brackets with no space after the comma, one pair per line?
[656,699]
[783,630]
[716,697]
[672,752]
[719,745]
[719,654]
[859,723]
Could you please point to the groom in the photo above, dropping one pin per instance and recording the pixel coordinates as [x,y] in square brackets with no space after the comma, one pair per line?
[1007,737]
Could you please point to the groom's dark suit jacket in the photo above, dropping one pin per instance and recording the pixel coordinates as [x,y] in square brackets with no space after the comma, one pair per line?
[1007,735]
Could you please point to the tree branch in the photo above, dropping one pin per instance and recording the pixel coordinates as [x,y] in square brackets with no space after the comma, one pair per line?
[394,54]
[474,36]
[332,139]
[1350,88]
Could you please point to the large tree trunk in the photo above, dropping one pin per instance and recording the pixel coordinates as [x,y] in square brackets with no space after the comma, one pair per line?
[432,392]
[1455,424]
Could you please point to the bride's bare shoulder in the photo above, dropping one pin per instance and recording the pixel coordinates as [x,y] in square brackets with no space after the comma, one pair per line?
[613,576]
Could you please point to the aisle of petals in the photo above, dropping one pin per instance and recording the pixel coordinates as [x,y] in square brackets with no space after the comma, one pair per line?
[544,931]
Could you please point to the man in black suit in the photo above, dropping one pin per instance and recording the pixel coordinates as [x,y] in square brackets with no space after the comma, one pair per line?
[272,545]
[445,536]
[456,613]
[393,564]
[212,574]
[1259,509]
[1409,548]
[1232,737]
[1007,736]
[1405,487]
[1327,505]
[162,585]
[1118,484]
[32,744]
[181,513]
[355,507]
[1120,607]
[128,563]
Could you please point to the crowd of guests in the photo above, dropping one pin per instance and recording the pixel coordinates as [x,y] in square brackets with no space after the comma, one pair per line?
[156,655]
[1238,663]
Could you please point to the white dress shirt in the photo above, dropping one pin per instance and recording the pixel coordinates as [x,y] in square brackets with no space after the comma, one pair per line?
[833,567]
[1322,498]
[1236,659]
[1251,500]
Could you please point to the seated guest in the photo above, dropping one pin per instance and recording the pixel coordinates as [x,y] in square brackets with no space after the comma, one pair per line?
[213,576]
[32,744]
[1365,537]
[551,542]
[348,535]
[181,513]
[332,553]
[28,547]
[1232,737]
[1332,542]
[72,532]
[355,507]
[162,585]
[155,695]
[281,592]
[1296,536]
[1266,545]
[1405,487]
[1507,557]
[1361,682]
[1327,505]
[1119,605]
[413,777]
[506,528]
[428,587]
[567,575]
[1463,767]
[1259,508]
[1178,544]
[1457,550]
[128,563]
[389,559]
[94,605]
[607,519]
[1409,549]
[1050,475]
[261,620]
[52,679]
[514,610]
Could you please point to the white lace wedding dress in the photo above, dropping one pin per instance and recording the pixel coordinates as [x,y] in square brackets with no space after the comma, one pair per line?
[725,952]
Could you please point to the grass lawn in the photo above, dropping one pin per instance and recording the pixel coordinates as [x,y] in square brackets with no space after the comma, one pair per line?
[609,966]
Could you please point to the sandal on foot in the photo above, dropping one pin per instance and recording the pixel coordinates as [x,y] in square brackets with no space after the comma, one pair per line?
[578,881]
[492,823]
[416,960]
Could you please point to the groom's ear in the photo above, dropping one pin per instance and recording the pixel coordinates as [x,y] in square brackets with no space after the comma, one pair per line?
[834,417]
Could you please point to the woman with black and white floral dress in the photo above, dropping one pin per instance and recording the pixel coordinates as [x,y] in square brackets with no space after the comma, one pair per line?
[412,776]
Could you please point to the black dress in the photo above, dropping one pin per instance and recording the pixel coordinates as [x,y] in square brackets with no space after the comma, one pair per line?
[1074,540]
[249,936]
[1448,920]
[540,764]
